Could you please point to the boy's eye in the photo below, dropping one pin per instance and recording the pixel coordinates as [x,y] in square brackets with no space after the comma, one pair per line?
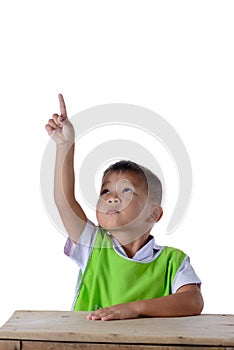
[127,190]
[105,191]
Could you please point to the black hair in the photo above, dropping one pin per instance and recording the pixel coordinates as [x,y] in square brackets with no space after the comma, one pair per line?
[152,181]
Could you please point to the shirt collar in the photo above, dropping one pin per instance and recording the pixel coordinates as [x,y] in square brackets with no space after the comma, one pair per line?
[144,254]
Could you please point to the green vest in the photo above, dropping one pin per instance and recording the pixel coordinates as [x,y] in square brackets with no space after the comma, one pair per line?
[110,279]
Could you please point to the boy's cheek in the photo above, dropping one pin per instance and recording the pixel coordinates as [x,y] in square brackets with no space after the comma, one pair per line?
[100,217]
[101,206]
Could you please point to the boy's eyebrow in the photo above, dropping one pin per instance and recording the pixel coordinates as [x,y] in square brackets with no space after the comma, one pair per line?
[104,184]
[131,183]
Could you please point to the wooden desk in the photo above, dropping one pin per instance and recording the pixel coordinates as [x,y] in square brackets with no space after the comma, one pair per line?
[58,330]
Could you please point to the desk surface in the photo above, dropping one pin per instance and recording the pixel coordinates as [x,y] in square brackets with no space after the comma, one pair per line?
[64,326]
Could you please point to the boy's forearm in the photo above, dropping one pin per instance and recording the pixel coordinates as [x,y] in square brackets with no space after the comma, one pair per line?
[174,305]
[183,303]
[71,213]
[64,177]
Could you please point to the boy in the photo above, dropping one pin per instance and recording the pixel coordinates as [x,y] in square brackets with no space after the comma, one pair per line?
[123,273]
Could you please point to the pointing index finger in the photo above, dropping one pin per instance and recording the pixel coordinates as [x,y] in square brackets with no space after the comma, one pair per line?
[63,110]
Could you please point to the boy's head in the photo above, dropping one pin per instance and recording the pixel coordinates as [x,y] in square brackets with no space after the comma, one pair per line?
[130,197]
[152,183]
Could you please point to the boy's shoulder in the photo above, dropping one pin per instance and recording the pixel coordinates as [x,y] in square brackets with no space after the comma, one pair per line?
[171,250]
[173,255]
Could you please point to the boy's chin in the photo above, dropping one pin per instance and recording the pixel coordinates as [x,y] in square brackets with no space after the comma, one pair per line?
[112,228]
[125,229]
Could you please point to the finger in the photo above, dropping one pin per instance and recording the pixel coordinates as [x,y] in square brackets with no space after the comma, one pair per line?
[109,317]
[93,317]
[49,129]
[52,123]
[63,110]
[95,314]
[56,119]
[105,315]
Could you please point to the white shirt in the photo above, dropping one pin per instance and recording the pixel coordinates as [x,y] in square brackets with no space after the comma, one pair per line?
[80,253]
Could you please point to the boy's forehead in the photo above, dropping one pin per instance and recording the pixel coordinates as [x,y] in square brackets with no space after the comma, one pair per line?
[136,179]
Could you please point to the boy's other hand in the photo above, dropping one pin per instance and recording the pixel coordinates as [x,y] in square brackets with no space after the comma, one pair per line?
[115,312]
[59,127]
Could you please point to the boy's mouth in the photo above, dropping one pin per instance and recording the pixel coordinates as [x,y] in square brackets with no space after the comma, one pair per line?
[112,211]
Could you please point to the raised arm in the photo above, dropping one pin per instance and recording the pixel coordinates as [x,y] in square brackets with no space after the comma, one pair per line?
[62,132]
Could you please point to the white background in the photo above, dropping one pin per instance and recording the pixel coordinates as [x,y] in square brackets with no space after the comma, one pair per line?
[173,57]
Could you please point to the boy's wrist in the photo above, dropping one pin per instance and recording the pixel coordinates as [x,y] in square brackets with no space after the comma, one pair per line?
[137,307]
[142,308]
[65,145]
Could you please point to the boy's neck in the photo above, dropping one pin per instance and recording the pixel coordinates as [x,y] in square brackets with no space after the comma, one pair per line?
[131,248]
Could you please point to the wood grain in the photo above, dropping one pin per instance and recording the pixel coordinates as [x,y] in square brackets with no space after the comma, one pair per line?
[73,327]
[9,345]
[28,345]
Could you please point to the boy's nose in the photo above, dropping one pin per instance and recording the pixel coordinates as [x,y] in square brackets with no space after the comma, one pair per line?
[113,199]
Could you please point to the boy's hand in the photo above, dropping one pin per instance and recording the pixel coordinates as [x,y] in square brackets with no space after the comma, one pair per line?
[115,312]
[59,127]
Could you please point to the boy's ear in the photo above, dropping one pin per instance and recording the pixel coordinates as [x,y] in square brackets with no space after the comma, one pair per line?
[157,213]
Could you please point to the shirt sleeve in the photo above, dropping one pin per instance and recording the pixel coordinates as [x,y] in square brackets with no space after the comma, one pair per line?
[80,251]
[185,275]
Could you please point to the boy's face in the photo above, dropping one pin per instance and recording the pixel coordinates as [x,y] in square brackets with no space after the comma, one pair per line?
[123,202]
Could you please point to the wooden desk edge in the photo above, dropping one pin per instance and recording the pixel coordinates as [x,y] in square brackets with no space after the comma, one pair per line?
[11,333]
